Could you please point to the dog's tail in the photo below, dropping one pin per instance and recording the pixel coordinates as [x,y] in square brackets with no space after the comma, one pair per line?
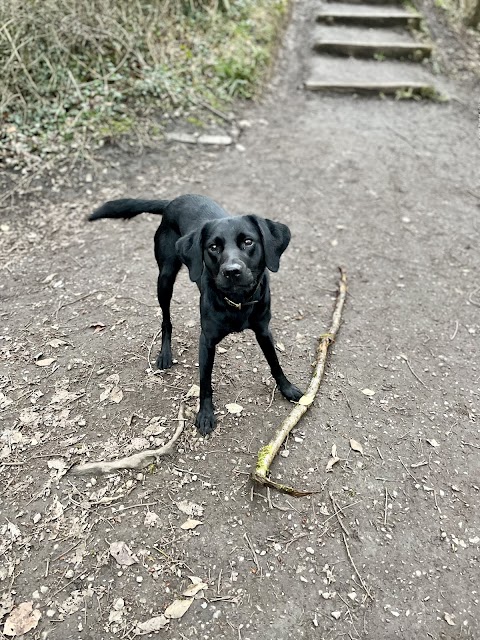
[129,208]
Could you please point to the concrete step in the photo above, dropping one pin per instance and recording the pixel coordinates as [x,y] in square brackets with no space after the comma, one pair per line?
[376,88]
[398,3]
[415,51]
[369,15]
[354,75]
[353,33]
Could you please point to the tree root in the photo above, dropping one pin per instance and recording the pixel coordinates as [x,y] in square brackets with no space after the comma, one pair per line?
[268,452]
[137,460]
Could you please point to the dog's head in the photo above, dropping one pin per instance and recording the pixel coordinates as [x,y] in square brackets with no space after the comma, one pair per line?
[235,251]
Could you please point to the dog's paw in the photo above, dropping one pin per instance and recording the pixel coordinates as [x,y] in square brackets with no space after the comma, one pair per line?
[291,392]
[205,422]
[164,359]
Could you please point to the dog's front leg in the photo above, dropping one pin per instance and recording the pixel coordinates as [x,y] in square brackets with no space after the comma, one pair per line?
[287,389]
[206,421]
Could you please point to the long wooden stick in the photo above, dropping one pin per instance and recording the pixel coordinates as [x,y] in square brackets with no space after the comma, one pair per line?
[268,452]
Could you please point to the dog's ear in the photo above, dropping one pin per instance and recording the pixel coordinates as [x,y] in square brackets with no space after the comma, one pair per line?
[190,251]
[275,238]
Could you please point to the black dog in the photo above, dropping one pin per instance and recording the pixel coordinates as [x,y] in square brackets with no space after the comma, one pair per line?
[227,258]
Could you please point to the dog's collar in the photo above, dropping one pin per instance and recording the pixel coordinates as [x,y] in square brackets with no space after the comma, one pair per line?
[239,305]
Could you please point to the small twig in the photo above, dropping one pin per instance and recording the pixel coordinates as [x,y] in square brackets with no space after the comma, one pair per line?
[67,585]
[347,401]
[137,460]
[150,351]
[470,444]
[68,551]
[365,588]
[271,397]
[269,498]
[475,304]
[347,506]
[67,304]
[337,513]
[404,357]
[385,507]
[170,559]
[412,476]
[207,106]
[255,559]
[294,539]
[452,337]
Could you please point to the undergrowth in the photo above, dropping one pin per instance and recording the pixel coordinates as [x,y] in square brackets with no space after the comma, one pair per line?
[77,73]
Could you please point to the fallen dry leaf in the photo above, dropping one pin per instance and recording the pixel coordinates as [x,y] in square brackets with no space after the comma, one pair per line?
[190,524]
[356,446]
[368,392]
[330,463]
[150,626]
[45,362]
[449,619]
[59,465]
[22,619]
[116,395]
[151,519]
[193,589]
[234,408]
[193,392]
[97,326]
[122,554]
[56,342]
[49,278]
[190,508]
[178,608]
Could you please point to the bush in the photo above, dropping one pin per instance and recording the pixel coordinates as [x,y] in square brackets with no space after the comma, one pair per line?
[93,67]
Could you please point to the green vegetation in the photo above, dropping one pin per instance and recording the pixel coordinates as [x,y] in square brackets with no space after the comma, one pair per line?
[76,70]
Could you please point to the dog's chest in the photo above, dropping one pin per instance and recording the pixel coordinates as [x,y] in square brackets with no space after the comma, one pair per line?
[237,320]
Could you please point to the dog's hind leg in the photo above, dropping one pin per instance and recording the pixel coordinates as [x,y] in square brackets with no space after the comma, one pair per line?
[169,265]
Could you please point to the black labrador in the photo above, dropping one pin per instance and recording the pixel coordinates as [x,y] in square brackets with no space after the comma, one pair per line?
[227,257]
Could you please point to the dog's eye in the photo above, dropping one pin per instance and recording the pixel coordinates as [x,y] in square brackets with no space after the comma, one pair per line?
[248,242]
[213,247]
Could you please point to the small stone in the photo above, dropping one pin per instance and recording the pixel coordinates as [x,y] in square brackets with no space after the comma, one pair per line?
[336,614]
[215,139]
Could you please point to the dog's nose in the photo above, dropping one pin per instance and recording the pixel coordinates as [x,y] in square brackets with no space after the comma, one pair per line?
[232,271]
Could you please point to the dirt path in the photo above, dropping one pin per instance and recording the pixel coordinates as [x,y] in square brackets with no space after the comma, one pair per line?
[387,189]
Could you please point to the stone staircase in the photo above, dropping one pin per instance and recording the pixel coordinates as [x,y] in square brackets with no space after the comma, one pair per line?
[369,48]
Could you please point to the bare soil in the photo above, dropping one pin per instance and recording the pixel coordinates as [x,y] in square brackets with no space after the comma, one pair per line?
[387,189]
